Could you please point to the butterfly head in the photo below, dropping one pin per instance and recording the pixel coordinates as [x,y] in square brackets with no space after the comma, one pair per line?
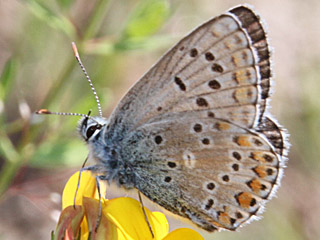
[90,127]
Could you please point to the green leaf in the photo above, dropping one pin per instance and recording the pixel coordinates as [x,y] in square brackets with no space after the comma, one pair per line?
[7,77]
[146,19]
[104,47]
[59,152]
[148,44]
[65,4]
[51,18]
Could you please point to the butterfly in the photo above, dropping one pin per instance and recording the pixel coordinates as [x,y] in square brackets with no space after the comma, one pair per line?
[194,134]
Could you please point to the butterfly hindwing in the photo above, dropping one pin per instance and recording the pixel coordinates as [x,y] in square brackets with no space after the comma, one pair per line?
[210,167]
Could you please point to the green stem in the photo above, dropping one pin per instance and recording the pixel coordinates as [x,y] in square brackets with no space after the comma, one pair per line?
[58,83]
[14,157]
[92,28]
[13,161]
[96,21]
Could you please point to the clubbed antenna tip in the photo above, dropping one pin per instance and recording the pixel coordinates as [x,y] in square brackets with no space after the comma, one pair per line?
[75,50]
[43,111]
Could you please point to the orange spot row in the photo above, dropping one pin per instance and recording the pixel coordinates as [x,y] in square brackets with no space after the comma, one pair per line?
[261,171]
[243,141]
[244,199]
[216,224]
[222,126]
[258,156]
[224,218]
[255,185]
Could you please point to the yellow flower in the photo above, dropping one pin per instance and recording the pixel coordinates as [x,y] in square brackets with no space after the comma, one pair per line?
[121,218]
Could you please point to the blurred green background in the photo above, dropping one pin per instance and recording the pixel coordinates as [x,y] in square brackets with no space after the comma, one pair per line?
[118,42]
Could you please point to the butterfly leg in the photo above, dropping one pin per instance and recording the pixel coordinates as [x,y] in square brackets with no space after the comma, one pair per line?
[90,168]
[145,214]
[100,208]
[99,192]
[78,185]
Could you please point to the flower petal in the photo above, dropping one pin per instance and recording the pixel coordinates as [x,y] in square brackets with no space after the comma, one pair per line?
[87,188]
[106,229]
[69,222]
[127,214]
[183,234]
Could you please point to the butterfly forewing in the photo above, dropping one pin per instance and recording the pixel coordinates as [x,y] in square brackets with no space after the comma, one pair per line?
[219,60]
[193,129]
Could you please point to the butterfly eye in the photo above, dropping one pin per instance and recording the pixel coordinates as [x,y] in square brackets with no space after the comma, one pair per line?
[91,130]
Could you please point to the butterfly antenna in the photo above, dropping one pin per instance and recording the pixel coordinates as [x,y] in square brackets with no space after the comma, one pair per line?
[76,54]
[46,111]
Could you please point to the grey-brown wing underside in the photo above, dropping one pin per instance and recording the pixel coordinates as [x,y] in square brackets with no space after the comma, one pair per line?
[213,172]
[222,67]
[194,128]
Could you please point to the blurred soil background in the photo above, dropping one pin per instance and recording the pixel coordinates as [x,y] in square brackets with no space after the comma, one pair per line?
[119,41]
